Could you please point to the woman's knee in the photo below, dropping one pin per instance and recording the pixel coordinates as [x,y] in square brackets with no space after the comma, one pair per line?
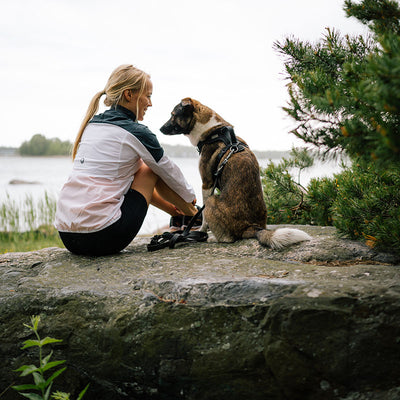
[144,182]
[145,172]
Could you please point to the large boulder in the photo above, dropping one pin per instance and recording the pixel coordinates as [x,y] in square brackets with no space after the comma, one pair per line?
[318,320]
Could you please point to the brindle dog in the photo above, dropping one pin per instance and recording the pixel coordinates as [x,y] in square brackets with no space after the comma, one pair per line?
[237,210]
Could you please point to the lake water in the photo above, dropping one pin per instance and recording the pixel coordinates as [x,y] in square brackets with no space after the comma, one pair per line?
[50,173]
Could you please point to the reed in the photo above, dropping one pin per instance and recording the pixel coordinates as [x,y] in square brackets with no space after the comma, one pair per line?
[28,224]
[27,214]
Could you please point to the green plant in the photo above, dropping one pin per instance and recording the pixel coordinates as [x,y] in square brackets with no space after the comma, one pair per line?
[344,91]
[301,159]
[367,206]
[44,236]
[27,224]
[344,97]
[26,214]
[9,215]
[41,384]
[362,202]
[284,196]
[322,193]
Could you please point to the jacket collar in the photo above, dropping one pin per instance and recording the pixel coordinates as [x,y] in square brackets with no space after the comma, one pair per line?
[127,112]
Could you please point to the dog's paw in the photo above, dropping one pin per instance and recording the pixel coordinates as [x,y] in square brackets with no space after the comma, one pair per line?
[224,238]
[204,226]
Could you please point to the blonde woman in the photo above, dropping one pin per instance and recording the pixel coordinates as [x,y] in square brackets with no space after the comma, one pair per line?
[119,169]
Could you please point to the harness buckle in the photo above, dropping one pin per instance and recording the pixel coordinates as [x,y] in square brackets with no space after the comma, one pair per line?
[234,148]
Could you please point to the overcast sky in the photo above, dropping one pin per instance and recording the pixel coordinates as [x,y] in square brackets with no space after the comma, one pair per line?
[56,54]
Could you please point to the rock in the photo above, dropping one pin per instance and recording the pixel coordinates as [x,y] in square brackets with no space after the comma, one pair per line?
[22,182]
[319,320]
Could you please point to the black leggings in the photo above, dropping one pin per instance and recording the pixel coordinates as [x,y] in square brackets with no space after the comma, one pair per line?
[115,237]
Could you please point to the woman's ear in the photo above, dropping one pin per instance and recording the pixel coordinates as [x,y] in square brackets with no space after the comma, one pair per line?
[127,95]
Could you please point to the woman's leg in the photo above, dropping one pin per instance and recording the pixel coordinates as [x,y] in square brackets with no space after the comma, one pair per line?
[145,182]
[166,193]
[156,192]
[159,202]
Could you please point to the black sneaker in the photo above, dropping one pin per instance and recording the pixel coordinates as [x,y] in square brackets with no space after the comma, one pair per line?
[176,223]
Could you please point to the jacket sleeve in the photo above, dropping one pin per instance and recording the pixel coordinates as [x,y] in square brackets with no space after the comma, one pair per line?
[148,148]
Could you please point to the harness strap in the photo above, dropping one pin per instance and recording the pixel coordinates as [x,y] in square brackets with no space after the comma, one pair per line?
[170,239]
[222,134]
[234,147]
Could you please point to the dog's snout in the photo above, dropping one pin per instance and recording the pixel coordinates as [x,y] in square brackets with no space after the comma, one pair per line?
[162,129]
[170,129]
[166,129]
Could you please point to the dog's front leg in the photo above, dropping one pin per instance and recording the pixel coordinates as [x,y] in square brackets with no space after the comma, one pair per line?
[206,193]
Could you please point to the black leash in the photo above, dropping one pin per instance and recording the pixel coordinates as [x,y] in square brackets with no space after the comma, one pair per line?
[170,239]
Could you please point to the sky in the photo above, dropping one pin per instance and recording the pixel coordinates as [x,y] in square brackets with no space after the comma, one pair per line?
[56,54]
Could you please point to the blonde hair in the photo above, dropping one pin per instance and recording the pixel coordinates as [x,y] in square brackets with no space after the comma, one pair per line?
[122,78]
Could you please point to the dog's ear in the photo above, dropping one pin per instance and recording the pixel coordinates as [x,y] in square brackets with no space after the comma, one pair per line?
[187,104]
[186,101]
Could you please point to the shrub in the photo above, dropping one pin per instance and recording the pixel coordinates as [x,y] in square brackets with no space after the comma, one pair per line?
[321,196]
[362,202]
[285,197]
[344,97]
[367,206]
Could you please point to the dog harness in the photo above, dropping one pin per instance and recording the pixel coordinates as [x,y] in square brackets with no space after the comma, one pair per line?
[224,134]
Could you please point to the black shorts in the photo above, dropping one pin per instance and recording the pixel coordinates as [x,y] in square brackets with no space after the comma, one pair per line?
[115,237]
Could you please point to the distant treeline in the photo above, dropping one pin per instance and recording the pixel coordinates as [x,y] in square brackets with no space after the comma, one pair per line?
[190,151]
[8,151]
[39,145]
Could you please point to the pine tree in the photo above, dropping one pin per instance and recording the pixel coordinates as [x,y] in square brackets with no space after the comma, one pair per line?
[345,91]
[345,97]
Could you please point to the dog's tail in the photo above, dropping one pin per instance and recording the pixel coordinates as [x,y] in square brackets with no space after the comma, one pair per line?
[281,237]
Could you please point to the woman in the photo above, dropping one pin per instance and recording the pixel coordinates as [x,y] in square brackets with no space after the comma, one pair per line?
[119,169]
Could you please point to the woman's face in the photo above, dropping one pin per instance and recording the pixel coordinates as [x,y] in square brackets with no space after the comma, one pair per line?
[139,104]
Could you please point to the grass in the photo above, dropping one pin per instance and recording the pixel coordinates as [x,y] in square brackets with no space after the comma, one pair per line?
[28,241]
[28,225]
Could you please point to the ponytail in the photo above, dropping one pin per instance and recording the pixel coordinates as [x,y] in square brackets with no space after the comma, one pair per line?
[91,111]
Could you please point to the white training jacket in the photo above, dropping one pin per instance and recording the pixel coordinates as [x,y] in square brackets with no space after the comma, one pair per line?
[112,149]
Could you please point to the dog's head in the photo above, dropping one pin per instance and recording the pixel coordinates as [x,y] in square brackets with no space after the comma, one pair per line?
[192,119]
[182,119]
